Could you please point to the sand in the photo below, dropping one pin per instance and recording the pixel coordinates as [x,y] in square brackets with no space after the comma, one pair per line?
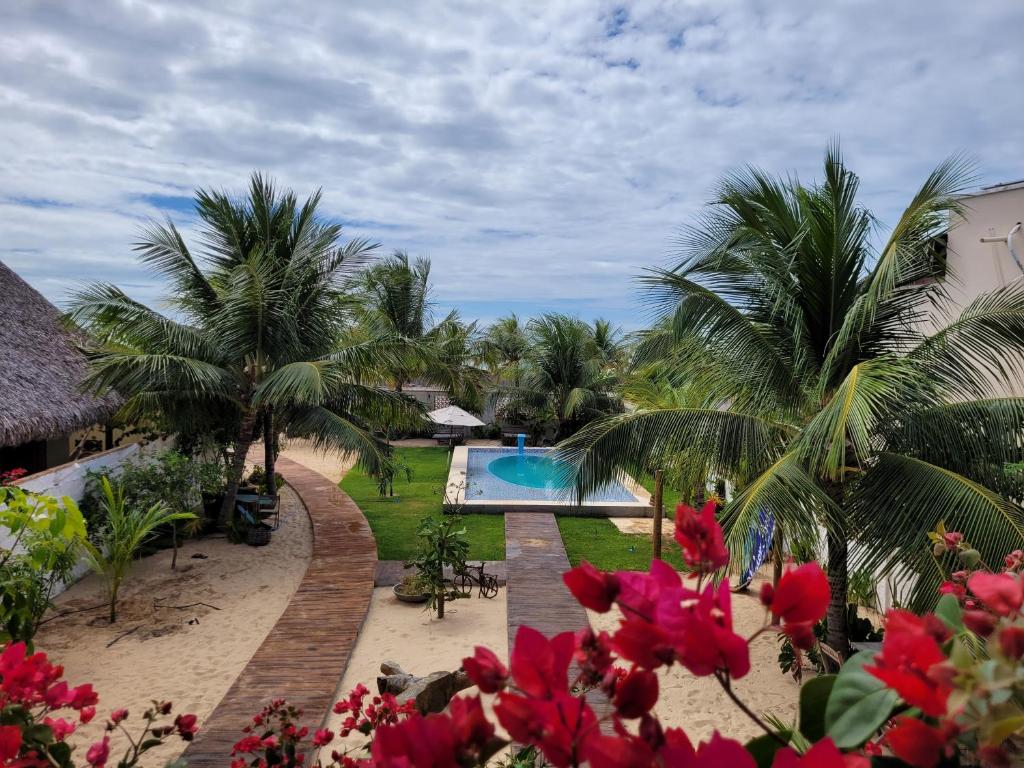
[166,656]
[420,643]
[699,705]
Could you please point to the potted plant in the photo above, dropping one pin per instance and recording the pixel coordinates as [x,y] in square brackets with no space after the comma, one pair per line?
[442,543]
[412,589]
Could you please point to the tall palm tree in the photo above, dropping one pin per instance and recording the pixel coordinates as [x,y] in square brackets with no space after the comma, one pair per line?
[831,402]
[608,339]
[504,344]
[254,339]
[562,375]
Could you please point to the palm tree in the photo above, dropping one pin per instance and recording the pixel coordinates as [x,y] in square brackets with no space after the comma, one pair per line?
[254,341]
[504,344]
[608,339]
[829,401]
[562,376]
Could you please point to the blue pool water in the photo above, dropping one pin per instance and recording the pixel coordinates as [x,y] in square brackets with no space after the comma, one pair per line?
[502,473]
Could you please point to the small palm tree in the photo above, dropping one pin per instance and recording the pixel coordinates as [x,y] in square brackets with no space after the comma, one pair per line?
[125,529]
[824,393]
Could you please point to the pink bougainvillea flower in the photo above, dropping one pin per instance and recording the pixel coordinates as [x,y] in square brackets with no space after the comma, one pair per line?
[86,714]
[801,635]
[559,726]
[61,728]
[702,634]
[981,623]
[486,670]
[959,591]
[118,715]
[417,742]
[10,742]
[635,694]
[1011,642]
[620,751]
[700,537]
[98,753]
[592,588]
[540,667]
[909,652]
[186,726]
[644,644]
[1001,593]
[823,754]
[469,723]
[801,595]
[322,737]
[915,742]
[640,593]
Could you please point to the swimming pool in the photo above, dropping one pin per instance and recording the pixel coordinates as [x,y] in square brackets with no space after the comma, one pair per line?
[500,479]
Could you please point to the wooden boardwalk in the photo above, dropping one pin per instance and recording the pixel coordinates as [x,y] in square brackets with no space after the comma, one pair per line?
[304,655]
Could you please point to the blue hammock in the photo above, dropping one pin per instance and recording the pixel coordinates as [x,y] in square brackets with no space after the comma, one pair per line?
[759,543]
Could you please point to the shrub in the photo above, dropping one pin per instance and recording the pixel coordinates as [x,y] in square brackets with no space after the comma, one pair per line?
[442,542]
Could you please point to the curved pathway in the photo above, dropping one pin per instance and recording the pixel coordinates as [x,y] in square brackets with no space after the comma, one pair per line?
[304,655]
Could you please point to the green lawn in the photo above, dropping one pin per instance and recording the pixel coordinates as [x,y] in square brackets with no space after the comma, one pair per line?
[394,519]
[598,541]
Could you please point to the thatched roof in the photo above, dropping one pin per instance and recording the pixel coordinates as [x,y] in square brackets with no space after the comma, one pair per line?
[41,369]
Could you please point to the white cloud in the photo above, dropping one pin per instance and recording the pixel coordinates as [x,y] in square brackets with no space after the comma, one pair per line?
[538,152]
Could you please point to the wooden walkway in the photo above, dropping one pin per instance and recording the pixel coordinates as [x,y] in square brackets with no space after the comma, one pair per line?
[305,653]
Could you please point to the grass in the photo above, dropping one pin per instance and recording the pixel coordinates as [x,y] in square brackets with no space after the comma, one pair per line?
[394,519]
[598,541]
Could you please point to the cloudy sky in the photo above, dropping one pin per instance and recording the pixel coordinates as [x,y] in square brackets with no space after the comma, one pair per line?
[540,153]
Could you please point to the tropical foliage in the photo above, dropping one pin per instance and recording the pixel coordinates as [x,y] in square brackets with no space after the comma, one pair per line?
[563,379]
[821,387]
[442,544]
[255,340]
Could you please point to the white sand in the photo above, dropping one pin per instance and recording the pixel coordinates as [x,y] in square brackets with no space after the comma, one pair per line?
[421,644]
[165,657]
[698,704]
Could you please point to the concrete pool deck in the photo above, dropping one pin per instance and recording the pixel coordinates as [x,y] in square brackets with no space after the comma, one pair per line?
[458,480]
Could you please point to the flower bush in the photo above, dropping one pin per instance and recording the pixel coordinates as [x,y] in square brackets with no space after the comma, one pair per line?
[39,711]
[944,690]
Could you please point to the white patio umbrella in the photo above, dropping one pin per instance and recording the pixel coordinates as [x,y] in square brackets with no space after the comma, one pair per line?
[453,416]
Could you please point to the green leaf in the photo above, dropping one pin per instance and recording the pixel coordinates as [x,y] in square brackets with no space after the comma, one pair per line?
[763,748]
[813,700]
[858,705]
[948,609]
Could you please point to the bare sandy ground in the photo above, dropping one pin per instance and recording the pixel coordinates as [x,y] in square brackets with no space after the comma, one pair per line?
[189,656]
[698,704]
[421,644]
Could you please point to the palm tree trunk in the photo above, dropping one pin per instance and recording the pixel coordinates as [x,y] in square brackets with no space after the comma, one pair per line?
[838,633]
[269,450]
[242,443]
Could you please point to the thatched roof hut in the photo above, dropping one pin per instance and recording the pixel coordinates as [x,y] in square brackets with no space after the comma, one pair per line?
[41,370]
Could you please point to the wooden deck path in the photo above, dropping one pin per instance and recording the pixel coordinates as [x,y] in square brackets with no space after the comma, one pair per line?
[305,653]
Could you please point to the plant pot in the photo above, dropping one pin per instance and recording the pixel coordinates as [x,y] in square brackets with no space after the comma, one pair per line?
[419,597]
[258,535]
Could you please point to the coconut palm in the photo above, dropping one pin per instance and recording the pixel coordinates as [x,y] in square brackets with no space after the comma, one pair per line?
[608,339]
[505,343]
[831,399]
[258,315]
[562,377]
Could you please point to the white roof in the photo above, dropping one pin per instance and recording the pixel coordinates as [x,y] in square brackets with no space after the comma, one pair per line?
[454,416]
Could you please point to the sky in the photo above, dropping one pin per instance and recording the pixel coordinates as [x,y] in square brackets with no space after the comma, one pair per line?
[542,154]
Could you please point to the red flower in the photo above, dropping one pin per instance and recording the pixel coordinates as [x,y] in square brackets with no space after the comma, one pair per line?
[322,737]
[715,753]
[1011,642]
[540,667]
[486,670]
[61,728]
[186,726]
[592,588]
[645,644]
[247,745]
[118,715]
[959,591]
[823,754]
[802,595]
[83,696]
[702,635]
[98,753]
[560,726]
[909,651]
[621,751]
[87,714]
[700,537]
[417,742]
[980,623]
[470,725]
[915,743]
[1000,592]
[636,693]
[10,742]
[801,635]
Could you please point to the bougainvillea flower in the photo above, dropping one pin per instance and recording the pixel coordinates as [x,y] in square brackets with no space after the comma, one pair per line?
[646,645]
[322,737]
[702,635]
[640,593]
[959,591]
[470,725]
[915,742]
[560,726]
[592,588]
[635,694]
[540,667]
[1011,642]
[98,753]
[981,623]
[10,742]
[801,595]
[486,670]
[909,651]
[801,635]
[621,751]
[700,537]
[1001,593]
[186,727]
[60,727]
[720,751]
[823,754]
[417,742]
